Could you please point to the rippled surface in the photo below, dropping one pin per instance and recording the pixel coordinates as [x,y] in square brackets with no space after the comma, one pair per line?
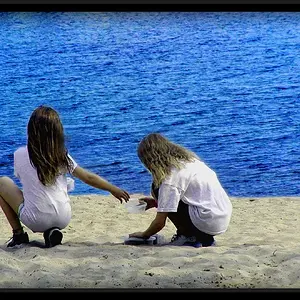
[225,85]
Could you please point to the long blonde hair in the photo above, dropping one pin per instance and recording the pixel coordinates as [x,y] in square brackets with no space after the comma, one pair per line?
[46,144]
[159,155]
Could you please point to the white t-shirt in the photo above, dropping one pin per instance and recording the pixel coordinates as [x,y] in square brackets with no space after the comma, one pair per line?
[44,206]
[198,186]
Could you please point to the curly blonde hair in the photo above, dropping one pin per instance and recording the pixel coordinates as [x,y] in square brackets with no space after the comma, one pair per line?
[159,155]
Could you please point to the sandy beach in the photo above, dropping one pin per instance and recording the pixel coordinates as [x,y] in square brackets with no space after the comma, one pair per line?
[261,249]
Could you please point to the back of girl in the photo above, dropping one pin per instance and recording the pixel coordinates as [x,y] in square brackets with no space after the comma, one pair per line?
[43,204]
[42,166]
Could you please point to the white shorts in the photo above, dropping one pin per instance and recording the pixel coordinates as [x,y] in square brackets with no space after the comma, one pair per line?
[42,222]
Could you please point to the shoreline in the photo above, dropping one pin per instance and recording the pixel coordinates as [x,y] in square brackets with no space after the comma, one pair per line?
[134,195]
[260,250]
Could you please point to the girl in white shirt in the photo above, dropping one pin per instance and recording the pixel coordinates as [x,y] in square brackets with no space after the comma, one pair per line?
[186,191]
[44,205]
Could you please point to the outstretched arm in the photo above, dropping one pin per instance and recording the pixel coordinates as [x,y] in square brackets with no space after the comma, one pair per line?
[157,224]
[98,182]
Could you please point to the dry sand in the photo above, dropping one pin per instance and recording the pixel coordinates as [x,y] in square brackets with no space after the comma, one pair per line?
[261,249]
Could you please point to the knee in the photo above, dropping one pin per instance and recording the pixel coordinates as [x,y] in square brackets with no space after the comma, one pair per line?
[4,180]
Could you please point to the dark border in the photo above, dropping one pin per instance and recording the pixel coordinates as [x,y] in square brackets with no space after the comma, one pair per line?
[138,291]
[149,5]
[151,2]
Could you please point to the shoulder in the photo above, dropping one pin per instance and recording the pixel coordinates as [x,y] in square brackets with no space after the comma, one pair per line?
[176,175]
[196,165]
[74,164]
[187,169]
[21,150]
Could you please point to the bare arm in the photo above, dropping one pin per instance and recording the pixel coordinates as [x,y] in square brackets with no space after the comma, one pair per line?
[98,182]
[157,224]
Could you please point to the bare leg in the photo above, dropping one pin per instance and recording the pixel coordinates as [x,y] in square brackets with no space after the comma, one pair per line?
[10,199]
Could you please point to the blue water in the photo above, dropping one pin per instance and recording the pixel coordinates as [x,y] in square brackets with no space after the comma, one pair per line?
[223,84]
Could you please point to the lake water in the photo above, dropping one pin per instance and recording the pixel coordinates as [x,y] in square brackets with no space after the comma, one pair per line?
[223,84]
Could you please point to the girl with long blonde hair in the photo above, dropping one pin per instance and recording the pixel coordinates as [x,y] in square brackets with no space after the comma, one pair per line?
[185,190]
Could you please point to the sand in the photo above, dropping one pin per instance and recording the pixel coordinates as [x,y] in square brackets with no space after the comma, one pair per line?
[261,249]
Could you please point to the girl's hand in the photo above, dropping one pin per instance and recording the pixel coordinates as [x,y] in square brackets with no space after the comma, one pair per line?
[138,234]
[120,194]
[151,202]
